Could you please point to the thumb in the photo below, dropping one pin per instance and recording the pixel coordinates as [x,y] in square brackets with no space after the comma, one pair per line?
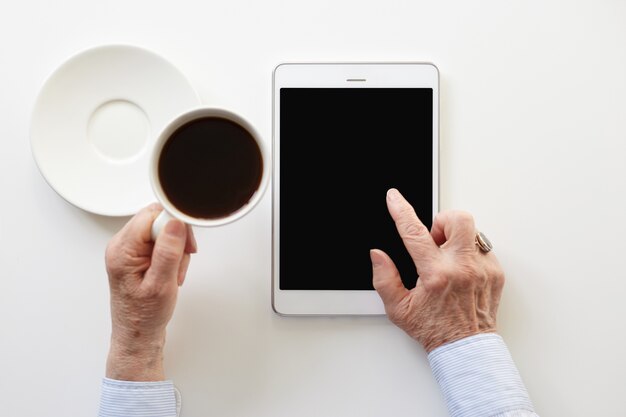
[386,279]
[168,252]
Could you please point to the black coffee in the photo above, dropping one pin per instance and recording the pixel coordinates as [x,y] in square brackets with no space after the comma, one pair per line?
[210,167]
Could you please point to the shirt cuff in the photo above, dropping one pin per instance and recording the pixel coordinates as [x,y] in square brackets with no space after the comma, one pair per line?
[478,377]
[134,399]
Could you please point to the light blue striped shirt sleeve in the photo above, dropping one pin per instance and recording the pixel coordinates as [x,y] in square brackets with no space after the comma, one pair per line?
[138,399]
[478,378]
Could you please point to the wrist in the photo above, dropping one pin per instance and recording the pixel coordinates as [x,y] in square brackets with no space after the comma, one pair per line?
[452,336]
[136,359]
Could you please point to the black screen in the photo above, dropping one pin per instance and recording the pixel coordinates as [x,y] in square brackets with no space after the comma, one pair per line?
[341,149]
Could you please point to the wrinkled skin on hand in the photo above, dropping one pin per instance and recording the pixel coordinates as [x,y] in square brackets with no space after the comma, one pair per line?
[459,286]
[144,277]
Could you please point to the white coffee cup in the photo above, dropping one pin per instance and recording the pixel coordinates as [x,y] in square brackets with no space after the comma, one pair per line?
[210,181]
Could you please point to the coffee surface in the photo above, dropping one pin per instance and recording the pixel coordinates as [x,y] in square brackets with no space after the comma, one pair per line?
[210,167]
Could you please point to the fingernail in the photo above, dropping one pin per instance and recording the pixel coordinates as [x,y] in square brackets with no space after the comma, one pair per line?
[376,258]
[175,228]
[393,194]
[194,243]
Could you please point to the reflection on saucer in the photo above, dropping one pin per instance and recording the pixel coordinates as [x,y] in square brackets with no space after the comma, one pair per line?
[95,121]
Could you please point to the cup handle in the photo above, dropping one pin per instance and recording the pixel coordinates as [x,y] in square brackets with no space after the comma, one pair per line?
[159,223]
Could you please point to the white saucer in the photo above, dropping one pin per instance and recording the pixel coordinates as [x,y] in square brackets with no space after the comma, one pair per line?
[95,121]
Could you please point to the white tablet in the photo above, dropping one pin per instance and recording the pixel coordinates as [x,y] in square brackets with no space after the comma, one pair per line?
[344,133]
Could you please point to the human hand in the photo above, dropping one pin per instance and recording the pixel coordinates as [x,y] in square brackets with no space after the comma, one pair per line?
[144,277]
[459,287]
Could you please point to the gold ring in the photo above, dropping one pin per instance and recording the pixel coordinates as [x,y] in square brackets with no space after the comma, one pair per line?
[482,242]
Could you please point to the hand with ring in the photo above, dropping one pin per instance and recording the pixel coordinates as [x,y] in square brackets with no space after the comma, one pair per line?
[460,280]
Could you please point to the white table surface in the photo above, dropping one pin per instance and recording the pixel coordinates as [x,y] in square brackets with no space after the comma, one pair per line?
[533,141]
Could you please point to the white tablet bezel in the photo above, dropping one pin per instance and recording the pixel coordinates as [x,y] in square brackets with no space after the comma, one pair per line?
[341,75]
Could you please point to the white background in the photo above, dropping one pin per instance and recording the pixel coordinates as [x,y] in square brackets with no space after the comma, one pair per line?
[533,139]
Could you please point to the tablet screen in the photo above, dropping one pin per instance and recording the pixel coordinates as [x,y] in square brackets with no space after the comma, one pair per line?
[341,149]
